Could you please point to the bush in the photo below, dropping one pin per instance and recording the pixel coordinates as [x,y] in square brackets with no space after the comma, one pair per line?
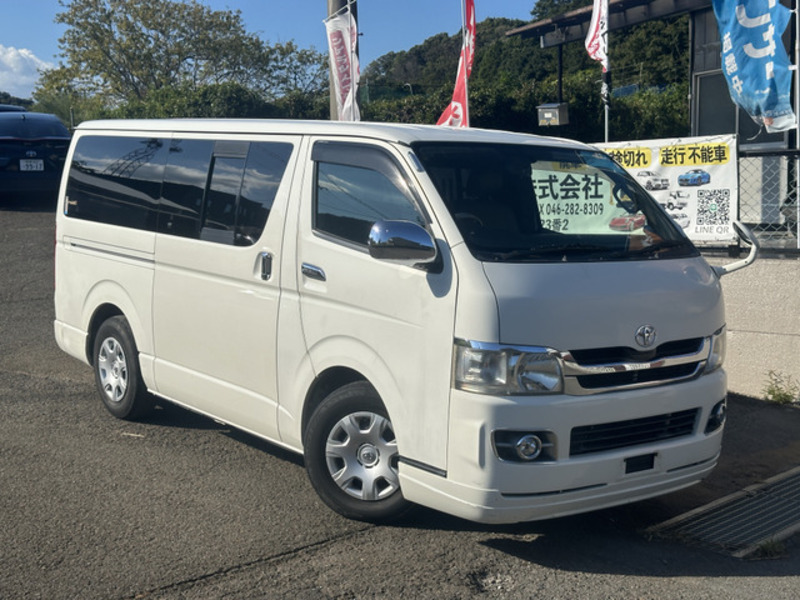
[781,389]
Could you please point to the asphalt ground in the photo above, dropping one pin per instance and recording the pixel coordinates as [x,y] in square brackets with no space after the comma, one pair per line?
[179,506]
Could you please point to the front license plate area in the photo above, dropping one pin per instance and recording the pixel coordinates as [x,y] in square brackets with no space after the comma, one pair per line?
[639,463]
[31,164]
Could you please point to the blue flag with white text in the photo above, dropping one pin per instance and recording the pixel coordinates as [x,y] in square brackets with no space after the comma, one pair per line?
[754,60]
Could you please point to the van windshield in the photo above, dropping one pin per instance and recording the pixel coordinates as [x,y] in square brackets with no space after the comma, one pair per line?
[526,203]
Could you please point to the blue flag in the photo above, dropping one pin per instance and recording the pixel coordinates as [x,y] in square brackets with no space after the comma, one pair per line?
[754,60]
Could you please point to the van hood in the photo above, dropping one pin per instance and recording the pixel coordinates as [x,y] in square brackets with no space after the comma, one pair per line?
[572,306]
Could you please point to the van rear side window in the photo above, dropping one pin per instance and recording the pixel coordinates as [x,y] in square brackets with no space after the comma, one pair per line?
[204,189]
[117,180]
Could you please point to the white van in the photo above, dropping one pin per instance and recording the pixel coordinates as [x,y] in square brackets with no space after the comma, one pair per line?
[499,326]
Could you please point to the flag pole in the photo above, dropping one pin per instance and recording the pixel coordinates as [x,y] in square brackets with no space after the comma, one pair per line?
[607,74]
[797,113]
[607,86]
[334,6]
[463,44]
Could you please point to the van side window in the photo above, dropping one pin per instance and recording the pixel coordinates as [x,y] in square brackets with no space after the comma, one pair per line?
[184,187]
[266,165]
[221,191]
[349,199]
[117,180]
[219,216]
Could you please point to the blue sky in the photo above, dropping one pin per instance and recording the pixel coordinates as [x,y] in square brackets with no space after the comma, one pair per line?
[29,37]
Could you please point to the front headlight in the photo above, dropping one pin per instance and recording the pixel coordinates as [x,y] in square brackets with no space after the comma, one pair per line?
[719,343]
[503,370]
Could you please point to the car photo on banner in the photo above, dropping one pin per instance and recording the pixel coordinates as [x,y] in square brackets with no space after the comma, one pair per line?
[628,222]
[694,177]
[681,219]
[676,200]
[652,181]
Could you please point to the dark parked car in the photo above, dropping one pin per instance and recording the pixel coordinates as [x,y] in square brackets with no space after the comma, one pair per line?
[33,147]
[12,108]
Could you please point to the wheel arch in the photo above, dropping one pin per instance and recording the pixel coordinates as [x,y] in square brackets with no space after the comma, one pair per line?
[325,383]
[107,299]
[101,314]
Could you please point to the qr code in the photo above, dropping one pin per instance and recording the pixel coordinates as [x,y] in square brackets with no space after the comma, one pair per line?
[713,207]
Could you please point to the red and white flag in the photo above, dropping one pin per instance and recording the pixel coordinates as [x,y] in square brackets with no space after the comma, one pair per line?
[342,39]
[597,37]
[457,112]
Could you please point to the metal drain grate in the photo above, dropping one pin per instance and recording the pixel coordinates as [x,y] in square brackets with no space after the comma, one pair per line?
[740,523]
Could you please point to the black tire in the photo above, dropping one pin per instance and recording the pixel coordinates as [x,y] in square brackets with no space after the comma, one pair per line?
[350,436]
[117,373]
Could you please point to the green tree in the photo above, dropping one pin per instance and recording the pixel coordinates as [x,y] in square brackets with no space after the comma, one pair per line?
[551,8]
[216,100]
[6,98]
[125,50]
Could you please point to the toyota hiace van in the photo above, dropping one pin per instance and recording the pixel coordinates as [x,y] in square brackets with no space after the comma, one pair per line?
[499,326]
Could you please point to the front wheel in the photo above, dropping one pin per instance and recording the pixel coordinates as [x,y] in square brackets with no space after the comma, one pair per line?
[116,371]
[351,455]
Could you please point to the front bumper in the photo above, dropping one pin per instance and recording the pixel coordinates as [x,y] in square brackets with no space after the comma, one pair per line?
[479,486]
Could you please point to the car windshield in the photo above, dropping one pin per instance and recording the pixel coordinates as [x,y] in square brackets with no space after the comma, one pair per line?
[23,126]
[530,203]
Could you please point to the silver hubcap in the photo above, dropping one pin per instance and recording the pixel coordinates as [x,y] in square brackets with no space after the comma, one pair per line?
[113,369]
[361,453]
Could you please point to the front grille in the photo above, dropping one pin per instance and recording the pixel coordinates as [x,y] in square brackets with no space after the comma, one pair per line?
[589,439]
[627,378]
[601,356]
[599,370]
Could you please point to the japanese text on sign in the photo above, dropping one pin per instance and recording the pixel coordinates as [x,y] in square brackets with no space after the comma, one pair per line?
[694,155]
[568,187]
[631,158]
[570,200]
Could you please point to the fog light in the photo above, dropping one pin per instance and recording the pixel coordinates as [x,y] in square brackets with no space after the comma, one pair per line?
[528,447]
[717,417]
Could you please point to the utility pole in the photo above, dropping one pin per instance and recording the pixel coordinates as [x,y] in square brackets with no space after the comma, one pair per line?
[335,6]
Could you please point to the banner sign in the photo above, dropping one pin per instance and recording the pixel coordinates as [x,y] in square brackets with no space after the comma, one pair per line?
[457,112]
[597,45]
[695,179]
[597,37]
[754,60]
[342,39]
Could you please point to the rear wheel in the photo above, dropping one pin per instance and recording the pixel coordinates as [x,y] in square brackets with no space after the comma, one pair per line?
[351,455]
[116,371]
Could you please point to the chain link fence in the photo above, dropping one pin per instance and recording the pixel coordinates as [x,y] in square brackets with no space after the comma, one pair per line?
[768,197]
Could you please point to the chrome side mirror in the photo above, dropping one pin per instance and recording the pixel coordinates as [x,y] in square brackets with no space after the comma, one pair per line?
[401,242]
[747,237]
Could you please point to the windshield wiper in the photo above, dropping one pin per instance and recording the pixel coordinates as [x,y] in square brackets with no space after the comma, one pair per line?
[565,250]
[660,247]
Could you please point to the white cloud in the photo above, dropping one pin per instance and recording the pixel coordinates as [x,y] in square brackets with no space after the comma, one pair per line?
[19,70]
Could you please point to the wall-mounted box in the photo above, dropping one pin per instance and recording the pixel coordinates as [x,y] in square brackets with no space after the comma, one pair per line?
[553,114]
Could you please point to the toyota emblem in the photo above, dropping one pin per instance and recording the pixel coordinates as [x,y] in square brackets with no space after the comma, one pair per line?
[646,336]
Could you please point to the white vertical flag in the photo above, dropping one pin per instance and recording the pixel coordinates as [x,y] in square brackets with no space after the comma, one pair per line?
[342,39]
[597,37]
[597,46]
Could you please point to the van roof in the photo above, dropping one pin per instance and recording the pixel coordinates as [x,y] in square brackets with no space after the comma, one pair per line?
[393,132]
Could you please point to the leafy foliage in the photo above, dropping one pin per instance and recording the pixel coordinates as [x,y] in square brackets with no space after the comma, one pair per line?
[170,58]
[781,389]
[6,98]
[119,52]
[512,76]
[550,8]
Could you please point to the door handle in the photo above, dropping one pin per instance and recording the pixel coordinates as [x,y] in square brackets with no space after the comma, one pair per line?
[312,272]
[266,266]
